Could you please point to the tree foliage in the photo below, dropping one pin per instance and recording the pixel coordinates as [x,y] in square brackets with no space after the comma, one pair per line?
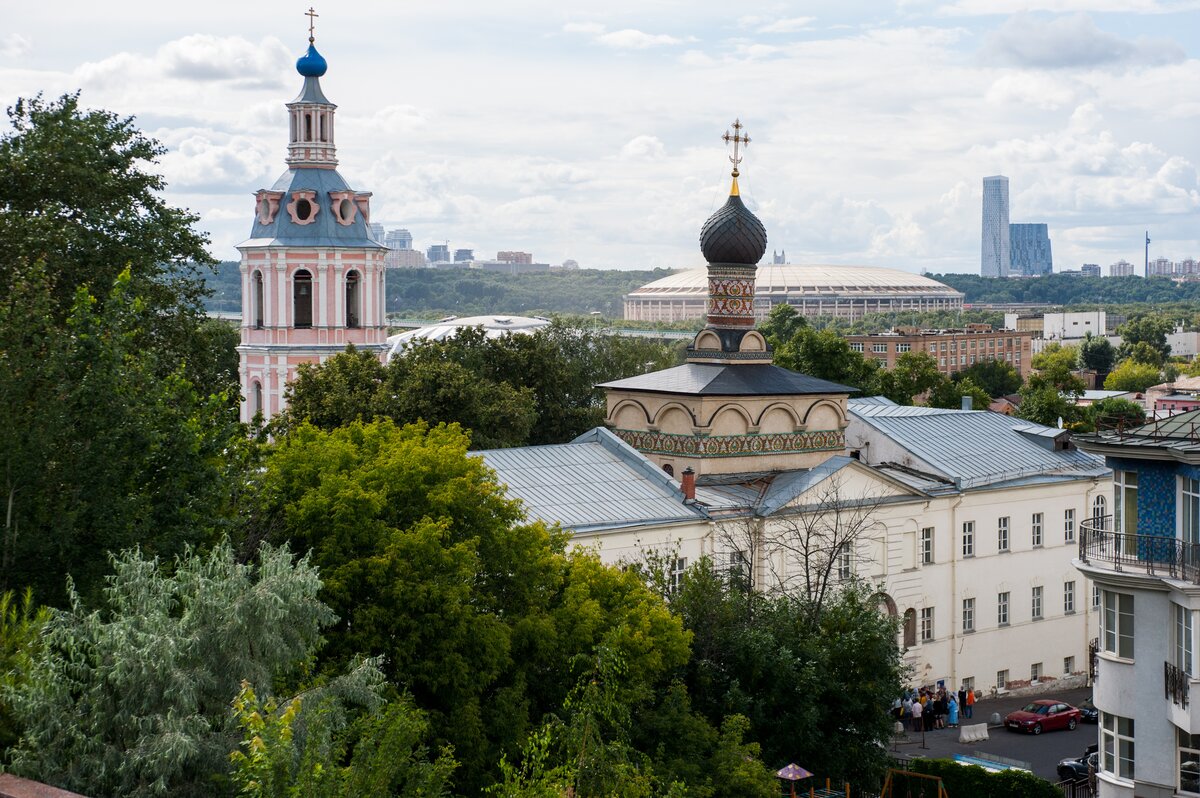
[995,377]
[21,625]
[826,355]
[949,394]
[1097,353]
[1116,412]
[1130,375]
[913,374]
[1144,339]
[132,698]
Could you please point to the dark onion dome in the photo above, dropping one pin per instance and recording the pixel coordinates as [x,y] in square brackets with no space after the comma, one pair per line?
[733,234]
[311,64]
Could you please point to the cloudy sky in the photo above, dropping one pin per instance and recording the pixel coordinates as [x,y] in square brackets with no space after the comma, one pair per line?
[592,131]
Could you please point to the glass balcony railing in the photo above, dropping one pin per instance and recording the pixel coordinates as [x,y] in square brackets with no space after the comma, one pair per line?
[1154,555]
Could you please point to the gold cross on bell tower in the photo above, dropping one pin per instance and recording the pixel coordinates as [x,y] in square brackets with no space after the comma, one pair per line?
[737,138]
[312,18]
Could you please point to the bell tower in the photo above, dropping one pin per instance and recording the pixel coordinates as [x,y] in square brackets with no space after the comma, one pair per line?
[312,276]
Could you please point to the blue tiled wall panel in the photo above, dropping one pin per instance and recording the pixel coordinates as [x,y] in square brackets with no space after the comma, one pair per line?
[1156,492]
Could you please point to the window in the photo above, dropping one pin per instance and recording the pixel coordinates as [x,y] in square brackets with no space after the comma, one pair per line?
[845,562]
[1069,526]
[1002,608]
[1184,639]
[1036,603]
[1116,623]
[352,301]
[910,628]
[738,567]
[258,300]
[877,348]
[926,624]
[1125,506]
[1001,679]
[968,684]
[968,540]
[1036,529]
[1188,746]
[1035,671]
[943,346]
[677,570]
[927,545]
[903,347]
[1068,666]
[1116,745]
[1095,596]
[1099,510]
[258,399]
[1002,534]
[1189,510]
[968,615]
[302,300]
[1068,597]
[856,347]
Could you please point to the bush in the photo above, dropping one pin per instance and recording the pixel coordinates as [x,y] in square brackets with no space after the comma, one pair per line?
[972,781]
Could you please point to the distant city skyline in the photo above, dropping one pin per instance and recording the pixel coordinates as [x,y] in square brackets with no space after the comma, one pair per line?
[598,139]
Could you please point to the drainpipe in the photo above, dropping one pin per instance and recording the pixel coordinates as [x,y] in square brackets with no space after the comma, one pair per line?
[955,558]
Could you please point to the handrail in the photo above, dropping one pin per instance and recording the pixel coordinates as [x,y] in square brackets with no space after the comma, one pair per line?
[1176,684]
[1155,555]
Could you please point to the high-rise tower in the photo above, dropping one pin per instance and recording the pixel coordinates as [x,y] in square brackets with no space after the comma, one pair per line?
[996,256]
[312,274]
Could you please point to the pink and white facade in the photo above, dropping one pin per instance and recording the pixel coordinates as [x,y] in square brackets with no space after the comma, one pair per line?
[312,276]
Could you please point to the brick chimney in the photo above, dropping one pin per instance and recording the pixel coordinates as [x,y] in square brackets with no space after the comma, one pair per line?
[688,483]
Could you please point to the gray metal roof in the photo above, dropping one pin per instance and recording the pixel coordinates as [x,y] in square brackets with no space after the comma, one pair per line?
[1175,436]
[595,482]
[978,448]
[747,379]
[325,230]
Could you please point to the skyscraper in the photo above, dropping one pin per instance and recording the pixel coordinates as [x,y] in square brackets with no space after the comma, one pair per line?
[995,250]
[1030,250]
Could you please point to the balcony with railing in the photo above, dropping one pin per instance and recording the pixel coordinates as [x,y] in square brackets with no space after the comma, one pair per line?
[1177,682]
[1153,555]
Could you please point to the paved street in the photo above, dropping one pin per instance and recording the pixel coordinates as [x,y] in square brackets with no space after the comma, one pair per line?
[1042,752]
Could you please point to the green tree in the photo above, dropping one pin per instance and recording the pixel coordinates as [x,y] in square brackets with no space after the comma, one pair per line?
[1096,353]
[21,626]
[996,377]
[782,324]
[1046,405]
[826,355]
[1116,412]
[1150,330]
[914,373]
[950,393]
[1130,375]
[1055,366]
[480,615]
[132,698]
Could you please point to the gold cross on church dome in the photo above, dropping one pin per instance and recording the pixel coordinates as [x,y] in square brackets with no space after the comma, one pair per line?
[737,138]
[312,18]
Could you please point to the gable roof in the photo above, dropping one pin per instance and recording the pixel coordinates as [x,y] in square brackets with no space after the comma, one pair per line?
[595,482]
[745,379]
[978,448]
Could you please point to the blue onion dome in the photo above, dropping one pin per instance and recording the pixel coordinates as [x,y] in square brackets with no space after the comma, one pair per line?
[733,234]
[311,64]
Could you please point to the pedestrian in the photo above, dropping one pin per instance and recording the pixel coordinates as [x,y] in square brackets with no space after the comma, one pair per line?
[968,709]
[952,709]
[962,697]
[917,720]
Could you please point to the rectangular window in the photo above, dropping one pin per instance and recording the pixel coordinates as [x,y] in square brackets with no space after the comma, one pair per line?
[677,569]
[968,540]
[1068,597]
[1125,506]
[968,684]
[1036,529]
[1002,608]
[1002,534]
[1116,745]
[1116,623]
[845,562]
[1189,510]
[927,545]
[968,615]
[1069,526]
[879,348]
[903,347]
[1095,596]
[1068,666]
[926,624]
[856,347]
[1184,635]
[1188,747]
[1001,679]
[1036,603]
[943,346]
[1035,671]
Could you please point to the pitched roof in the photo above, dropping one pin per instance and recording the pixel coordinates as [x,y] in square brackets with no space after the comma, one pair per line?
[595,482]
[978,448]
[747,379]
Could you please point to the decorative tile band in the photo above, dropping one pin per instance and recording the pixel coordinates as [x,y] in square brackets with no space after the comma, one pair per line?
[731,300]
[733,445]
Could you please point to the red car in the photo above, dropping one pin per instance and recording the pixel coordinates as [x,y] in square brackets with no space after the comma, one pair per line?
[1043,715]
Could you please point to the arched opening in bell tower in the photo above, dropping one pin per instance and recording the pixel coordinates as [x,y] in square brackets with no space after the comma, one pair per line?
[302,299]
[353,311]
[258,300]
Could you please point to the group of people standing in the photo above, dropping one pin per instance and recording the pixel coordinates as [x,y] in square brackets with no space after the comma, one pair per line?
[927,709]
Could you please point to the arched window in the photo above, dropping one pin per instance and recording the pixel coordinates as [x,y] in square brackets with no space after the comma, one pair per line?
[1099,511]
[670,469]
[308,127]
[352,299]
[323,134]
[910,628]
[258,399]
[258,300]
[302,299]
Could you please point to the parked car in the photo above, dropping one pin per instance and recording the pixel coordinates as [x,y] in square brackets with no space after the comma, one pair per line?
[1043,715]
[1081,767]
[1088,712]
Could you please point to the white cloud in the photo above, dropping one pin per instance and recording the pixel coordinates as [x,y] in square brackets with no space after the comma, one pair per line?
[14,45]
[1005,7]
[631,39]
[1031,89]
[791,25]
[583,27]
[204,57]
[1071,41]
[648,148]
